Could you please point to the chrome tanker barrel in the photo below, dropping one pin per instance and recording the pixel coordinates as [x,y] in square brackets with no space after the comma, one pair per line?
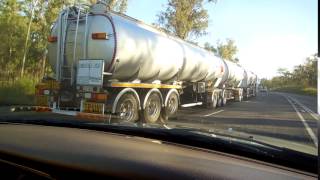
[130,49]
[244,81]
[235,76]
[220,72]
[252,79]
[255,80]
[225,75]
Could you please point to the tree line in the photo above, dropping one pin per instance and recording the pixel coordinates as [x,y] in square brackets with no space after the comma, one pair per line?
[188,20]
[302,76]
[25,26]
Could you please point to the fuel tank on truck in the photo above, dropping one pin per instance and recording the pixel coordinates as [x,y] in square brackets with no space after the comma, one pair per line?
[235,76]
[132,50]
[252,78]
[218,73]
[81,46]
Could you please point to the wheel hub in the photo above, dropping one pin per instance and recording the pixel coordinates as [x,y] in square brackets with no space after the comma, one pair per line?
[152,108]
[172,105]
[126,110]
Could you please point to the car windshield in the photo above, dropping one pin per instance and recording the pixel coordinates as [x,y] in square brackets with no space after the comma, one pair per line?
[245,69]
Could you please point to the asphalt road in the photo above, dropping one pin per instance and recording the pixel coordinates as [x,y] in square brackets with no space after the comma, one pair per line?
[281,119]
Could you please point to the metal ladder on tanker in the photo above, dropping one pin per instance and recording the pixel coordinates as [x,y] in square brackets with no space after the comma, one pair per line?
[67,72]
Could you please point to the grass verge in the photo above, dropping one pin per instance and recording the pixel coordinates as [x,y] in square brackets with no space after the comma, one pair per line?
[20,92]
[311,91]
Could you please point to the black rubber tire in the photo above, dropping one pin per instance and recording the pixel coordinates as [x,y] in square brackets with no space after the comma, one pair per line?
[219,101]
[123,101]
[224,99]
[213,104]
[152,115]
[171,109]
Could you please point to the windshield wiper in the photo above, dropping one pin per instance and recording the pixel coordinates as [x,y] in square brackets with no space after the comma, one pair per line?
[192,137]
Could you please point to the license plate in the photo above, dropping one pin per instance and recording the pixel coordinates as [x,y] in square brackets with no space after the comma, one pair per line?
[91,107]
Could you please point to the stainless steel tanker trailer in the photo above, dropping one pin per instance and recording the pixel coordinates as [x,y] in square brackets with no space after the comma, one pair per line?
[106,62]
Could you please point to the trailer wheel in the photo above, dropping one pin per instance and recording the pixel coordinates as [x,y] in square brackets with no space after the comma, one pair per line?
[127,108]
[240,98]
[171,107]
[152,109]
[214,101]
[224,98]
[219,102]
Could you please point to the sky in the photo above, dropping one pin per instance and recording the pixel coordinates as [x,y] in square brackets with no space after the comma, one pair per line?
[269,34]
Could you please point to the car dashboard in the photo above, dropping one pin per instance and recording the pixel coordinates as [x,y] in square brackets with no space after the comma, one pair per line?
[48,152]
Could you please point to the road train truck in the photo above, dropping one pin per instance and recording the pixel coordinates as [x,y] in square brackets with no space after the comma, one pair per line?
[109,63]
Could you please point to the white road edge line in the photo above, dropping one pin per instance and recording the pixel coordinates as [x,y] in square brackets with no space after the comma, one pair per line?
[310,132]
[167,126]
[313,114]
[213,113]
[191,104]
[64,112]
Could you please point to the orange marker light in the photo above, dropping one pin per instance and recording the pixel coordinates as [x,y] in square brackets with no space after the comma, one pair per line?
[52,38]
[102,36]
[99,97]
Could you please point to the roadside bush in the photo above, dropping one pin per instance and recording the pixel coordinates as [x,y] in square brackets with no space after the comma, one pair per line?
[21,92]
[311,91]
